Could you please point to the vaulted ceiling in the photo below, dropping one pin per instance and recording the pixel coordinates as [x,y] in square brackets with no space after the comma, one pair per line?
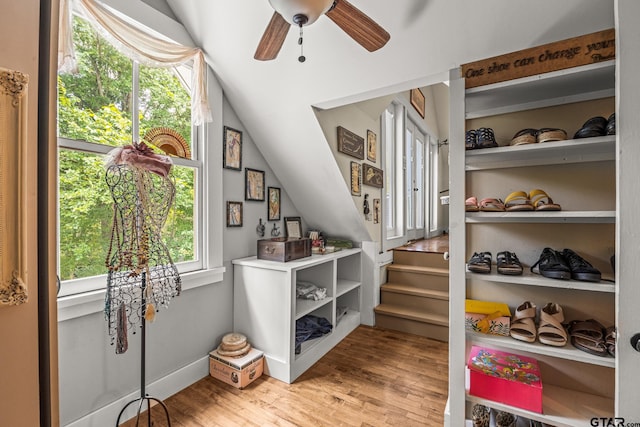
[274,99]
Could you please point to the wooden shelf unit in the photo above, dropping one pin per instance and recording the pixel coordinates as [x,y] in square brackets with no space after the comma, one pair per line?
[266,308]
[543,98]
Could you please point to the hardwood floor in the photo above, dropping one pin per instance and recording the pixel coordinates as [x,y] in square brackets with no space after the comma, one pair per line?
[374,377]
[438,244]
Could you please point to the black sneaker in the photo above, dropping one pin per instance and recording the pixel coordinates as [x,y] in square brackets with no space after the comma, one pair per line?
[580,268]
[552,264]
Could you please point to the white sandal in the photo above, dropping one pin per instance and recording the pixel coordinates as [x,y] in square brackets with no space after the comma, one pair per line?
[551,332]
[523,326]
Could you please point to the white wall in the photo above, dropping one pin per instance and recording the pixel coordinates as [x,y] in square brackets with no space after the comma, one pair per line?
[240,242]
[95,383]
[357,119]
[361,116]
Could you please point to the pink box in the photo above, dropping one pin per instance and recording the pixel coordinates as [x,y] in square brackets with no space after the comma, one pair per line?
[497,326]
[506,378]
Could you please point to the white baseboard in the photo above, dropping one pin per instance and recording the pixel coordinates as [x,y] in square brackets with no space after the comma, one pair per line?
[160,389]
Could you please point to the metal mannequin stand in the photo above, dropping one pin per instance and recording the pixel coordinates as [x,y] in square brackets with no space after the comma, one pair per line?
[143,395]
[139,263]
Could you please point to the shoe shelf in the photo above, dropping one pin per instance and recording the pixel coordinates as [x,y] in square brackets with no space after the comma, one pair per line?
[532,279]
[577,91]
[566,352]
[546,153]
[561,407]
[593,81]
[569,217]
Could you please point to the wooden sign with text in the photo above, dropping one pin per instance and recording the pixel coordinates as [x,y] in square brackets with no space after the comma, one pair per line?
[582,50]
[350,143]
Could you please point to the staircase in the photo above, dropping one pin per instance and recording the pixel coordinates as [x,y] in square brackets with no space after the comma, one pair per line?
[415,298]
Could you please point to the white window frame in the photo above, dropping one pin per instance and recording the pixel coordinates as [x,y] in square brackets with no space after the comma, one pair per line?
[399,233]
[202,193]
[416,190]
[394,235]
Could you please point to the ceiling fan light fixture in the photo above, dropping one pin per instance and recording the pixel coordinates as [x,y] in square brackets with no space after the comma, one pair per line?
[312,9]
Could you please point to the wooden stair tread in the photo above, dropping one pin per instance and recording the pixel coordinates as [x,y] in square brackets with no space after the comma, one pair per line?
[419,269]
[413,290]
[413,314]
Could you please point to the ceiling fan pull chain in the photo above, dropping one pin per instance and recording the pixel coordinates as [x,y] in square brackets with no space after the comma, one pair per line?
[301,58]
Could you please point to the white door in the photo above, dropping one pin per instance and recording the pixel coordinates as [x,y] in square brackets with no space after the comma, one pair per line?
[628,239]
[415,181]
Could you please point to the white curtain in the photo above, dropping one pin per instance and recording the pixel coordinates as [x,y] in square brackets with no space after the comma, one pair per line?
[135,44]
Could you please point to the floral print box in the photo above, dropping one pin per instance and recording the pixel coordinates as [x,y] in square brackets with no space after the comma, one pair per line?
[477,322]
[505,378]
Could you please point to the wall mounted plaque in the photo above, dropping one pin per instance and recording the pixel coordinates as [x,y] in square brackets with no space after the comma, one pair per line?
[350,143]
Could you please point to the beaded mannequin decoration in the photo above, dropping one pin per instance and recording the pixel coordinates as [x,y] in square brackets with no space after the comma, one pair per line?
[141,276]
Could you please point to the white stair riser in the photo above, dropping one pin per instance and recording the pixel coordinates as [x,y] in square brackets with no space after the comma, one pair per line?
[428,330]
[427,305]
[424,259]
[419,280]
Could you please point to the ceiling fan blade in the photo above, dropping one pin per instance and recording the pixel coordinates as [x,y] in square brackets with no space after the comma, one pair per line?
[272,39]
[359,26]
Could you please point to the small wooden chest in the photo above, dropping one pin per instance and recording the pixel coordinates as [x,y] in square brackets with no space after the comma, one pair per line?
[284,249]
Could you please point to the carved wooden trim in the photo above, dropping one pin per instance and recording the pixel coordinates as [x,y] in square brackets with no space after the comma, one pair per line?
[14,84]
[13,87]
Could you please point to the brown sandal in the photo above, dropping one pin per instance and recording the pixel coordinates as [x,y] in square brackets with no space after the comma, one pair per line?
[491,205]
[587,335]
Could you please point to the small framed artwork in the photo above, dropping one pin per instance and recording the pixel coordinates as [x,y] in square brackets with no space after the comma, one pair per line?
[273,204]
[372,176]
[253,185]
[350,143]
[234,214]
[232,155]
[417,100]
[376,211]
[371,146]
[293,227]
[356,179]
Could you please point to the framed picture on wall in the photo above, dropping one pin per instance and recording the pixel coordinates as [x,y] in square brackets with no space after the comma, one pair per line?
[254,185]
[372,176]
[234,214]
[350,143]
[356,179]
[376,211]
[273,204]
[232,145]
[417,100]
[371,146]
[293,227]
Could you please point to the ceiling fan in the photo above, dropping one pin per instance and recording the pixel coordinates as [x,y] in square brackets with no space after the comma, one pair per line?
[364,30]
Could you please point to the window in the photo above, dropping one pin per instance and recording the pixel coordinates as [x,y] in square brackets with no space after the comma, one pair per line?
[101,107]
[415,179]
[393,204]
[411,177]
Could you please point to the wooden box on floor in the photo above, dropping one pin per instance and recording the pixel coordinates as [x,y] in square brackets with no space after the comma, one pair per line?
[237,371]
